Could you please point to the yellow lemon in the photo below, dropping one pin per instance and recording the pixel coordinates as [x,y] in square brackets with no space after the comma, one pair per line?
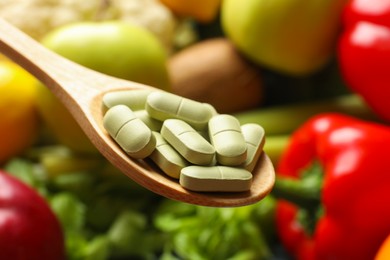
[19,121]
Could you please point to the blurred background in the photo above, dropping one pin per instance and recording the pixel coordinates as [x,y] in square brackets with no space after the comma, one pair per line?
[278,64]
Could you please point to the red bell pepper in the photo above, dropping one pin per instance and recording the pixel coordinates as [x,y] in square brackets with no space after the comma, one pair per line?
[350,217]
[28,227]
[364,52]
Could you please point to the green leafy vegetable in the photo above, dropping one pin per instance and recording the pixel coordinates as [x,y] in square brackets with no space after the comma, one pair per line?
[107,216]
[197,232]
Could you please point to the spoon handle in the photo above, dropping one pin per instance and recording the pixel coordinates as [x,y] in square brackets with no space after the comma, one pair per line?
[59,74]
[45,65]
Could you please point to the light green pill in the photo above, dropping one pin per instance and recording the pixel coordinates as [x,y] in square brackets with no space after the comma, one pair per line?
[116,117]
[131,134]
[212,109]
[134,99]
[189,143]
[227,139]
[167,158]
[215,179]
[254,136]
[163,105]
[153,124]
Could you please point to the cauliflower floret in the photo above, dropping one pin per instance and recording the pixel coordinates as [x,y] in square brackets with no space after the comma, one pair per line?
[37,17]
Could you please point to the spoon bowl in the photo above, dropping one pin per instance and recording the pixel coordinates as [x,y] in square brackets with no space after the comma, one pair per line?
[81,91]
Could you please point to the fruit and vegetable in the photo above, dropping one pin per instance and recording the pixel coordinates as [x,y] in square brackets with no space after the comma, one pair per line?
[38,17]
[327,189]
[19,117]
[28,227]
[313,73]
[293,36]
[363,52]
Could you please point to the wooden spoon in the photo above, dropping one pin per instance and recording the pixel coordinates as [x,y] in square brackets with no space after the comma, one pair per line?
[81,91]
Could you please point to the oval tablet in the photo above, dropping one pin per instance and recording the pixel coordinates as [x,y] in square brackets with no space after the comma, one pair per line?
[254,137]
[189,143]
[167,158]
[131,134]
[215,179]
[227,139]
[163,105]
[134,99]
[116,117]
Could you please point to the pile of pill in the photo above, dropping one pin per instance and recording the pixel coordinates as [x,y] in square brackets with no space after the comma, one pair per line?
[186,139]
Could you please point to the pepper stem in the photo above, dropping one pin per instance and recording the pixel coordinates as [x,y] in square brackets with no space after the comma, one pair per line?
[305,192]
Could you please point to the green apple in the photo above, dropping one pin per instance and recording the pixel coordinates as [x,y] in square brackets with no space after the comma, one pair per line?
[115,48]
[295,37]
